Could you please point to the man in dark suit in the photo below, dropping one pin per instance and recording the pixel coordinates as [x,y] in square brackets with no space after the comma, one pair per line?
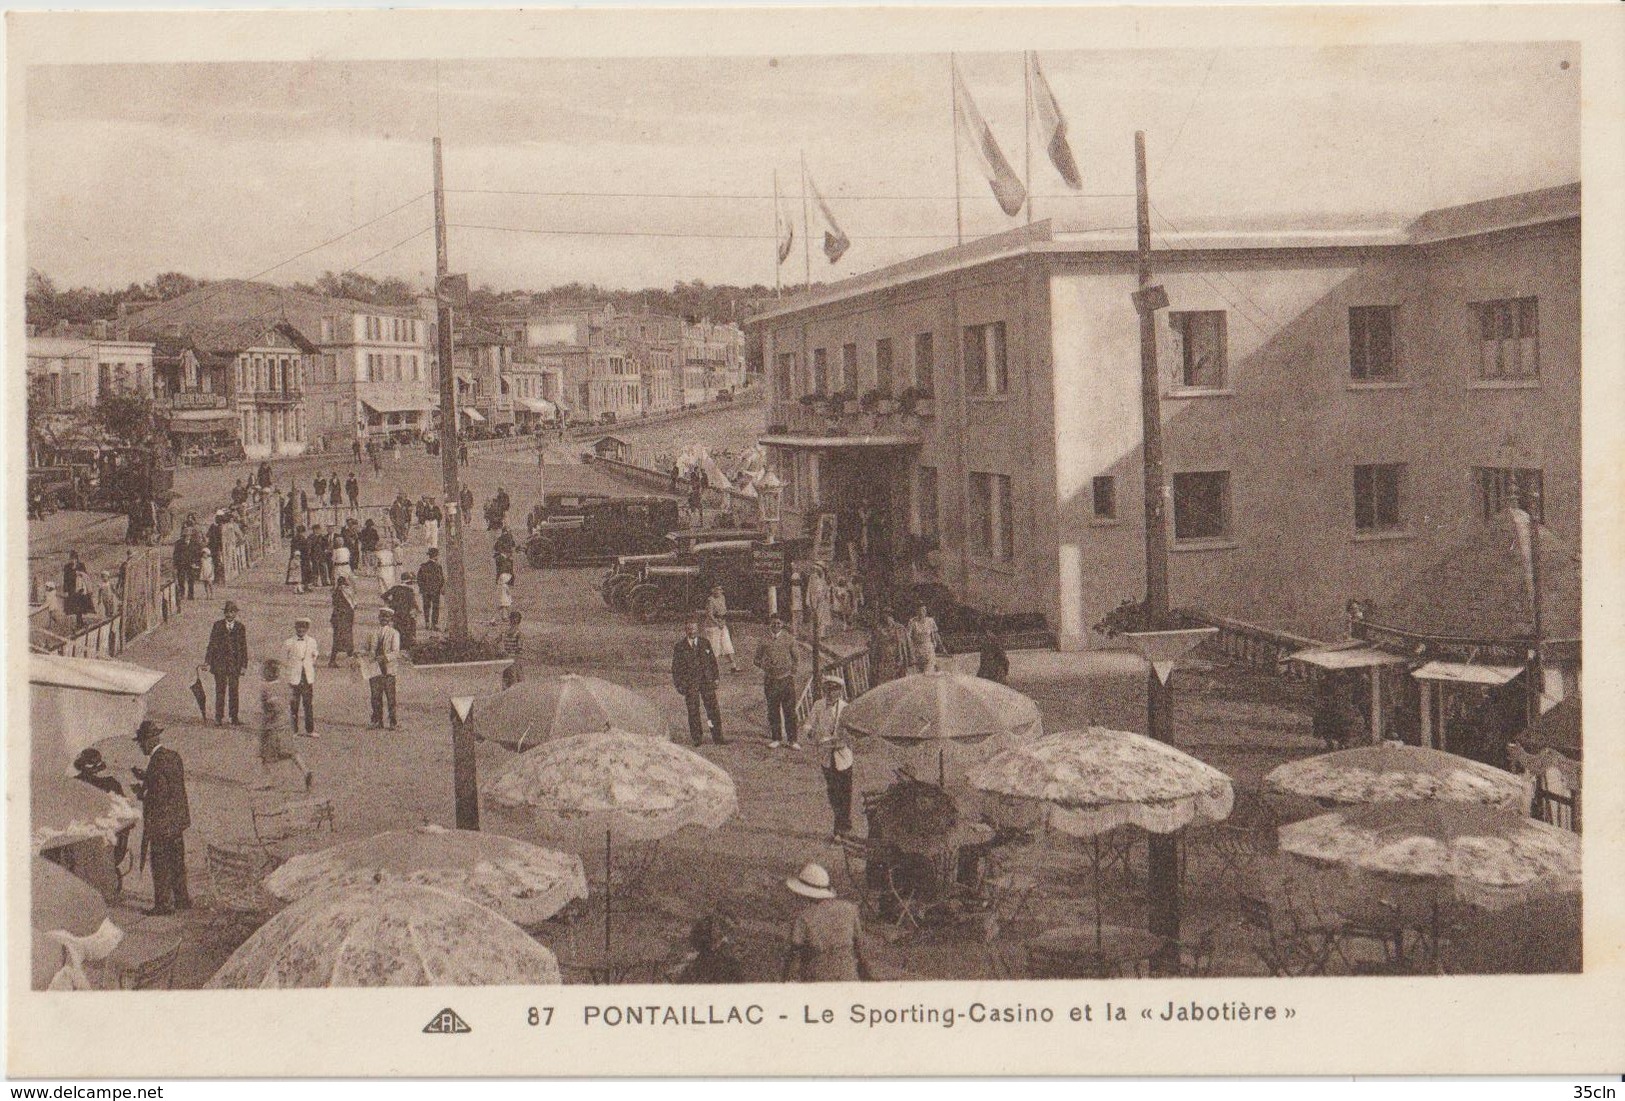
[227,659]
[694,672]
[166,815]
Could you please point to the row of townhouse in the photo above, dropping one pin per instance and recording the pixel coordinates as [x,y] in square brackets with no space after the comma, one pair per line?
[605,364]
[1337,406]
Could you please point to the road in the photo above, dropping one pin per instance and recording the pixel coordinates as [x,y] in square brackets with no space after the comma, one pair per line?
[378,781]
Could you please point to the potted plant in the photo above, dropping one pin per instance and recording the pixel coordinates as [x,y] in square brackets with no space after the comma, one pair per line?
[464,660]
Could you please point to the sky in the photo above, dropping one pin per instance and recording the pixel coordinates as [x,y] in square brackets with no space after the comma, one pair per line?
[228,170]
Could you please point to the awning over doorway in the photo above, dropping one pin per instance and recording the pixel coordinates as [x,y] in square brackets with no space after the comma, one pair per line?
[1455,672]
[539,405]
[828,443]
[1348,657]
[473,415]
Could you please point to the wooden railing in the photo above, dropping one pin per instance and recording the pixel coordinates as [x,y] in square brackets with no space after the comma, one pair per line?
[1260,647]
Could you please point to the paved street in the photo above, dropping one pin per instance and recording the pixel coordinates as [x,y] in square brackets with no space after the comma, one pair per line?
[378,781]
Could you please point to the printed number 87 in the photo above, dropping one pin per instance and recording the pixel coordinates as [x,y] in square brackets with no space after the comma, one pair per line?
[540,1016]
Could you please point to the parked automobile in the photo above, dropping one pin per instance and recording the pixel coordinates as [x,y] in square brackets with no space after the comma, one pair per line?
[606,417]
[627,572]
[604,530]
[678,588]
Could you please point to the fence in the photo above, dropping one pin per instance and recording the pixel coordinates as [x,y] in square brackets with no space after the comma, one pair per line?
[148,599]
[1257,646]
[726,499]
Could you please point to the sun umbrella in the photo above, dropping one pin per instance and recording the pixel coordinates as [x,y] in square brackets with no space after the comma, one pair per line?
[524,883]
[1394,773]
[1089,782]
[64,811]
[1484,856]
[387,934]
[536,711]
[76,702]
[614,784]
[933,711]
[70,925]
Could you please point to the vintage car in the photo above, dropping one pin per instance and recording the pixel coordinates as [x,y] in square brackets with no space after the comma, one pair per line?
[686,539]
[680,587]
[602,531]
[627,572]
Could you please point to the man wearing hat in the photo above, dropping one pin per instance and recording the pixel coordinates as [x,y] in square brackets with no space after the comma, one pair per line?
[227,659]
[776,658]
[694,674]
[825,941]
[385,650]
[299,656]
[431,583]
[828,733]
[165,817]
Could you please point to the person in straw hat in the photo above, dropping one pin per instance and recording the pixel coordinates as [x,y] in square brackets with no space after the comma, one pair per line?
[828,733]
[825,940]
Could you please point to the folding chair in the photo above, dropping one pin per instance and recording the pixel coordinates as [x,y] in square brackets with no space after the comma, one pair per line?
[237,896]
[289,821]
[157,973]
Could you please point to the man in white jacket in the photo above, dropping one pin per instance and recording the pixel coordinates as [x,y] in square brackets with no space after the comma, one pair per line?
[299,656]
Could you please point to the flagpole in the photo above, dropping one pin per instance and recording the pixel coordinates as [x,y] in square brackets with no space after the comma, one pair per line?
[1027,128]
[806,223]
[778,291]
[953,93]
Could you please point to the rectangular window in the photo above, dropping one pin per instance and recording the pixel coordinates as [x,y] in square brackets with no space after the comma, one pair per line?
[987,371]
[1377,502]
[992,535]
[925,503]
[1371,343]
[1201,505]
[1200,345]
[1105,497]
[925,363]
[820,371]
[1509,338]
[849,368]
[1501,488]
[883,366]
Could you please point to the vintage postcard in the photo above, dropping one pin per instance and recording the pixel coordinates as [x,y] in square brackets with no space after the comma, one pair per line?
[816,542]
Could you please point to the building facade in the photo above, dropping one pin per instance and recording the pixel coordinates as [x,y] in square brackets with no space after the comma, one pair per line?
[1336,407]
[713,360]
[372,376]
[484,384]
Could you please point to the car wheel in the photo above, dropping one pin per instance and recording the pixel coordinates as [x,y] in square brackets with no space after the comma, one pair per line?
[616,590]
[645,603]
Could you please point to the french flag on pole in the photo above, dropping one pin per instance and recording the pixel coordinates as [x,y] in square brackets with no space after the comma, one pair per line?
[1007,186]
[1052,126]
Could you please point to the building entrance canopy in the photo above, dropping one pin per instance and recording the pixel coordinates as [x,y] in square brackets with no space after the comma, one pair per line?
[831,443]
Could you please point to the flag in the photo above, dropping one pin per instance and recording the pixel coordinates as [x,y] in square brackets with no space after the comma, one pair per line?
[784,226]
[1052,125]
[835,242]
[1007,187]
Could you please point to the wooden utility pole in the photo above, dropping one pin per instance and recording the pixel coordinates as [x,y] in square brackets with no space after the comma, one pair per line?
[1162,849]
[953,97]
[456,594]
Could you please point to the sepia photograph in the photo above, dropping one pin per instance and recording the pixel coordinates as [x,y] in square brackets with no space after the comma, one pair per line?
[760,516]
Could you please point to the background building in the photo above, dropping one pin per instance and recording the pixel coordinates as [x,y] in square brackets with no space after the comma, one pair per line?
[1337,406]
[372,375]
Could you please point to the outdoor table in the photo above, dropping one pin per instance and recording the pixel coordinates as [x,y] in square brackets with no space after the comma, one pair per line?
[1073,951]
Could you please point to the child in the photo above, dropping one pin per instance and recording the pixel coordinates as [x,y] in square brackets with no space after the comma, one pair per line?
[205,573]
[273,700]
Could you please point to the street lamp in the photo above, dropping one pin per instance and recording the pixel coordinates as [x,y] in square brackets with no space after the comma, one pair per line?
[769,497]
